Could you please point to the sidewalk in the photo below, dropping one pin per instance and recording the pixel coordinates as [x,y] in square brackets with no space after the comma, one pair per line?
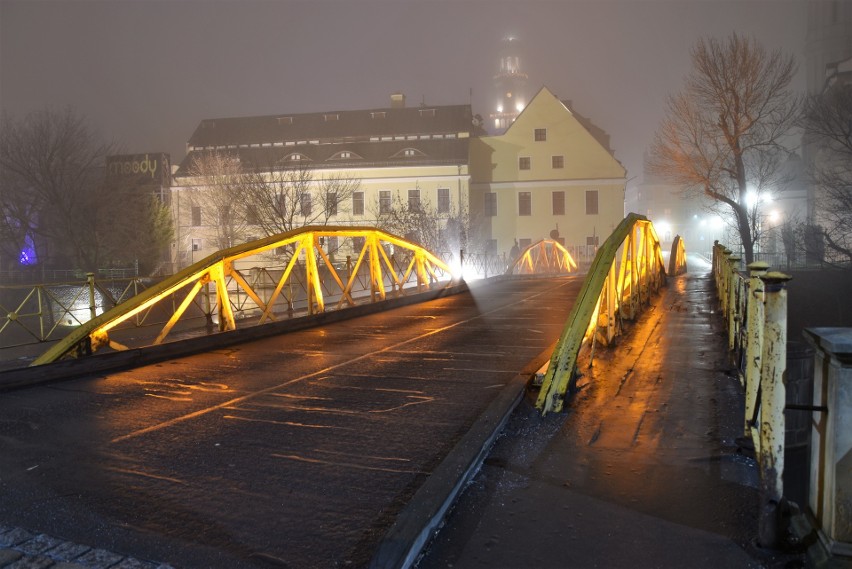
[641,471]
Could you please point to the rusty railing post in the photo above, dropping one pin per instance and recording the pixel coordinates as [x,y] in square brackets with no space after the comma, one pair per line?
[93,309]
[772,401]
[754,341]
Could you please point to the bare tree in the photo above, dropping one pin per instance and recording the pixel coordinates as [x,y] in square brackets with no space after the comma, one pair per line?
[220,192]
[827,120]
[54,192]
[722,135]
[417,220]
[282,198]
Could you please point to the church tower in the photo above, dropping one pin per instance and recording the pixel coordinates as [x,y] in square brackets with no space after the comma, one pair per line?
[510,86]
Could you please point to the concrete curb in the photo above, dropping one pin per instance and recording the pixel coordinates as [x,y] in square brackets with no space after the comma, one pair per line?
[420,520]
[68,369]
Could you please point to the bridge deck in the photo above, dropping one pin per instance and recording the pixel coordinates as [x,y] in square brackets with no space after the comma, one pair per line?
[299,449]
[642,470]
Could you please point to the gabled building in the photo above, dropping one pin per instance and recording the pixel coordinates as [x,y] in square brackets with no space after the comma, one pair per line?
[547,175]
[396,154]
[551,173]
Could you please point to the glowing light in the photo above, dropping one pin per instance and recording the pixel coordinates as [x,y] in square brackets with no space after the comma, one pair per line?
[499,108]
[663,228]
[519,106]
[28,255]
[774,216]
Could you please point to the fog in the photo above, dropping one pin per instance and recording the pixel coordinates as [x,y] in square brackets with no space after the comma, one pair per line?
[146,72]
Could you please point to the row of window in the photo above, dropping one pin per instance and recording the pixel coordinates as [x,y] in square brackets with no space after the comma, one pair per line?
[331,203]
[316,141]
[443,205]
[525,203]
[556,162]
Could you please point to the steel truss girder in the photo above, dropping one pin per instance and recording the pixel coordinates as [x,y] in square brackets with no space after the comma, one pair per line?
[612,291]
[217,268]
[543,257]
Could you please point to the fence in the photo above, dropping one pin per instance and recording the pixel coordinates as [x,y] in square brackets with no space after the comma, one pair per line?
[755,311]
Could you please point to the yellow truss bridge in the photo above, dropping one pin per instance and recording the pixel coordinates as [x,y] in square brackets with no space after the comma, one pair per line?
[383,264]
[543,257]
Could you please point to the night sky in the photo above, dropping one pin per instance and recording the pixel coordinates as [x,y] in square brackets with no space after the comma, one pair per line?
[146,72]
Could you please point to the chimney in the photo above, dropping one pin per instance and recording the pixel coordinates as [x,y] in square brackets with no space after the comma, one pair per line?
[397,100]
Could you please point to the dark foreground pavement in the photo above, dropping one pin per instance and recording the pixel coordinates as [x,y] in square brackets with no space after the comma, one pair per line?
[641,471]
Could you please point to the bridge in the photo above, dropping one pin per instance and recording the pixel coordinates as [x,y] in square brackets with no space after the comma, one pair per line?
[239,455]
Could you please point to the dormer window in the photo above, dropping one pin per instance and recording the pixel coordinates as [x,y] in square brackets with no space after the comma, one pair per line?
[295,157]
[378,115]
[409,153]
[331,117]
[345,155]
[427,112]
[285,120]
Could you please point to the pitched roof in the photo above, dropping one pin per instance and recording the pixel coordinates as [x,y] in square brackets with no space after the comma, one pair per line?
[437,134]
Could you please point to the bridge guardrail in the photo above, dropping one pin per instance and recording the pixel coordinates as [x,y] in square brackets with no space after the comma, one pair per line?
[755,311]
[611,292]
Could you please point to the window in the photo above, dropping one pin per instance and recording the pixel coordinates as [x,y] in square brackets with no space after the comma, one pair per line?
[251,215]
[427,112]
[282,204]
[331,117]
[491,204]
[358,244]
[409,152]
[384,201]
[524,203]
[357,203]
[558,203]
[557,161]
[540,134]
[524,163]
[377,115]
[331,203]
[196,216]
[592,202]
[491,246]
[306,204]
[413,200]
[196,244]
[592,241]
[443,200]
[333,244]
[524,243]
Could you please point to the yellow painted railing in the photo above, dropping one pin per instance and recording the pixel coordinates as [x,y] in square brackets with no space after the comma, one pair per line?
[613,290]
[755,310]
[545,256]
[419,270]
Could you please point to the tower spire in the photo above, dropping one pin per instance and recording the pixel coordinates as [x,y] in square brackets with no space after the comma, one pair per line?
[510,85]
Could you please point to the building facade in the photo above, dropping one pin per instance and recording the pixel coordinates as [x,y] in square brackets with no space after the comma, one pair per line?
[551,174]
[547,176]
[374,160]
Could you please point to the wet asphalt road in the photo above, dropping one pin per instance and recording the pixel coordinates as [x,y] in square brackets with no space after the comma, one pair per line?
[293,451]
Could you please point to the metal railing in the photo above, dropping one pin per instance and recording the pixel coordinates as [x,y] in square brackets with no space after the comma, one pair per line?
[611,292]
[755,311]
[218,290]
[677,258]
[42,312]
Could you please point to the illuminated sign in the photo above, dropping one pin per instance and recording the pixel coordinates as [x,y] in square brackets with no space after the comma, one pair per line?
[147,168]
